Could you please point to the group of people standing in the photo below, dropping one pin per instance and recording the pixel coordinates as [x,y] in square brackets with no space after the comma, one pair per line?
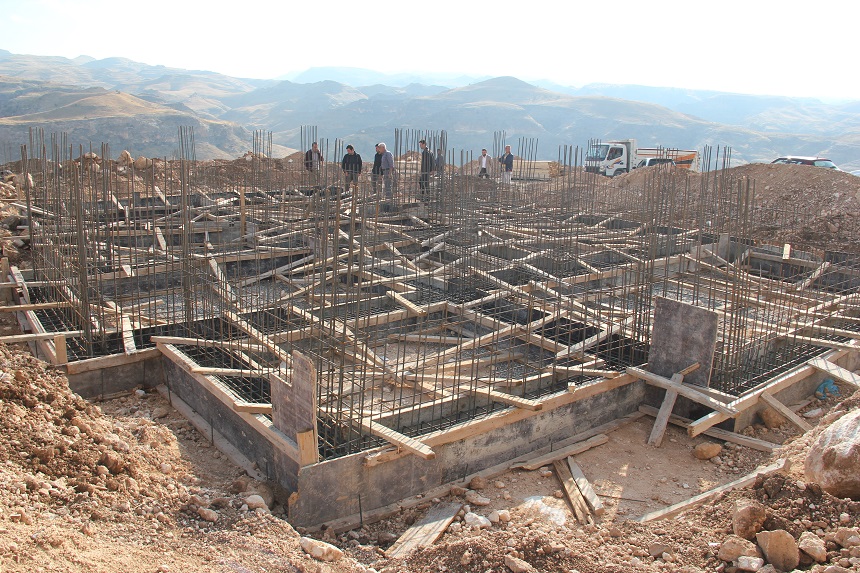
[383,167]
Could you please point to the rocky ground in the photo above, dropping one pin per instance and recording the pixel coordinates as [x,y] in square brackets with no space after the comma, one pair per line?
[128,484]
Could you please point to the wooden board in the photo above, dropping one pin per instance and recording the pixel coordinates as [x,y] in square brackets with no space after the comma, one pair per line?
[836,371]
[718,433]
[585,488]
[677,508]
[425,532]
[574,449]
[784,411]
[574,496]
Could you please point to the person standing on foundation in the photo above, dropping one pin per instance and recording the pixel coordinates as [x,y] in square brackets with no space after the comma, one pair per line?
[387,165]
[428,165]
[314,163]
[507,160]
[484,165]
[376,171]
[351,166]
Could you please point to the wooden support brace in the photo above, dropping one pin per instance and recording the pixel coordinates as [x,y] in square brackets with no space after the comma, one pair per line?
[672,510]
[784,411]
[686,391]
[412,445]
[836,371]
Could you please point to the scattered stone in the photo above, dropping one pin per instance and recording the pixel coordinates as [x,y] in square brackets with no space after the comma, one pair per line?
[780,549]
[517,565]
[474,498]
[386,537]
[504,515]
[734,547]
[320,550]
[748,518]
[478,482]
[255,501]
[747,563]
[834,457]
[476,521]
[458,491]
[657,549]
[847,537]
[814,413]
[207,514]
[813,546]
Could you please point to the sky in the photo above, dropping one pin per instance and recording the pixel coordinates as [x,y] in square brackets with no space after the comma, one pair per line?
[789,48]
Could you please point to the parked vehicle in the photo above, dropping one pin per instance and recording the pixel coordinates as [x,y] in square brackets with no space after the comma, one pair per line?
[612,158]
[801,160]
[651,161]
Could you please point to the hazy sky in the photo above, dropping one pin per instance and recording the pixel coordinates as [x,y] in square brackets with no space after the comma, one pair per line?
[759,47]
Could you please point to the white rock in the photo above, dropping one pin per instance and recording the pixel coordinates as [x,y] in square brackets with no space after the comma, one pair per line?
[813,546]
[834,457]
[814,413]
[747,563]
[477,521]
[320,550]
[474,498]
[255,501]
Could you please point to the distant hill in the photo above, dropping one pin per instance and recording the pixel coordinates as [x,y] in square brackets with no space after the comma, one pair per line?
[140,107]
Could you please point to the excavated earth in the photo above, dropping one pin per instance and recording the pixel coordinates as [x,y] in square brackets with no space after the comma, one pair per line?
[128,484]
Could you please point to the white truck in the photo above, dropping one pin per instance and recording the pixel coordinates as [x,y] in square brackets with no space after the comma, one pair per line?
[613,158]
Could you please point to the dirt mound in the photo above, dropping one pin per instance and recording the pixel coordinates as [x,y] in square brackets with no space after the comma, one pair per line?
[127,485]
[811,208]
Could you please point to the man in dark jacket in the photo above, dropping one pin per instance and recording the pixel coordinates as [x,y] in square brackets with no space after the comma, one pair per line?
[314,162]
[376,171]
[428,165]
[351,166]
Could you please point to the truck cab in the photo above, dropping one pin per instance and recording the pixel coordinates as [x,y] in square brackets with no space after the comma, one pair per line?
[610,158]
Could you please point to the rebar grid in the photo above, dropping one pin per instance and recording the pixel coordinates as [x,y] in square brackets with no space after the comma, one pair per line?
[455,297]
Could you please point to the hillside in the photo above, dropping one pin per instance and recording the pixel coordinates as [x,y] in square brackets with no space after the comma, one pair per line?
[470,110]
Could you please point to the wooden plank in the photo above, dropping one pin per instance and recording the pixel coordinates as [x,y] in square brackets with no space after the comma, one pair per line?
[585,488]
[102,362]
[425,532]
[412,445]
[252,407]
[308,449]
[34,306]
[662,419]
[574,496]
[718,433]
[784,411]
[15,338]
[748,479]
[836,371]
[750,398]
[574,449]
[686,391]
[60,354]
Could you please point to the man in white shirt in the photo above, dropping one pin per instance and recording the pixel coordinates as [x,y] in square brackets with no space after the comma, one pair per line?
[484,164]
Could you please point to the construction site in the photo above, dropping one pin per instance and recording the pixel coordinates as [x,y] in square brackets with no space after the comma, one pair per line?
[356,349]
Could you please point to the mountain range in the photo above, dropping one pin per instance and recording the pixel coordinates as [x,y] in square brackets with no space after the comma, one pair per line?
[138,107]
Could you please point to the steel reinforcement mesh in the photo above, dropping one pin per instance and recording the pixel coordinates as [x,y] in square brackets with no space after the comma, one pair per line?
[440,298]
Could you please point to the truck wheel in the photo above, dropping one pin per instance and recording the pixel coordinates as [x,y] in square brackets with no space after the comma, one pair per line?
[619,172]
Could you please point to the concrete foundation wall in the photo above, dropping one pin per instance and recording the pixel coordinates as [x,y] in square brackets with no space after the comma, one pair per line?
[270,461]
[114,380]
[340,487]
